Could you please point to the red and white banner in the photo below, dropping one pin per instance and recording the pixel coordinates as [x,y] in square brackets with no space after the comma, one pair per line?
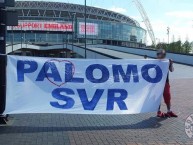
[42,26]
[91,28]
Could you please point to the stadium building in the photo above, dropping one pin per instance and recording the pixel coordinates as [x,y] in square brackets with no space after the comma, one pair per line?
[51,23]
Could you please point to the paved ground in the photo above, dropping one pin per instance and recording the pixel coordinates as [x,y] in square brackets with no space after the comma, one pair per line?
[52,129]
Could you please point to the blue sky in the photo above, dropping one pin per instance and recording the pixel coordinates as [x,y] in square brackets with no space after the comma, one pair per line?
[176,14]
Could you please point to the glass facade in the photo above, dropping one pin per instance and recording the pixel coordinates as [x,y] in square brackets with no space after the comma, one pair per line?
[117,31]
[100,31]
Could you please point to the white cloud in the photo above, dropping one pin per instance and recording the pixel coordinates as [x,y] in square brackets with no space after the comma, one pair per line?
[138,18]
[180,23]
[177,29]
[180,14]
[118,9]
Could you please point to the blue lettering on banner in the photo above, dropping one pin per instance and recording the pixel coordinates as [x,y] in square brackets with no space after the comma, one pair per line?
[131,69]
[114,96]
[69,75]
[27,67]
[90,75]
[22,68]
[90,105]
[57,95]
[44,72]
[145,74]
[111,99]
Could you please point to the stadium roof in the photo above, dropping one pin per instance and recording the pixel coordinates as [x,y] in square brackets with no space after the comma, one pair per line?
[65,10]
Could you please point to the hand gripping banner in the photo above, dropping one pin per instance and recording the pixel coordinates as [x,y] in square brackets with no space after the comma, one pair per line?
[77,86]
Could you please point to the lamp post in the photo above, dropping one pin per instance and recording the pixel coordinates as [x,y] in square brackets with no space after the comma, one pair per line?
[24,37]
[85,26]
[66,38]
[21,37]
[12,39]
[168,33]
[73,30]
[63,42]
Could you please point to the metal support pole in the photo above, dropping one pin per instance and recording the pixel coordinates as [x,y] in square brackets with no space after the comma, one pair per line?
[168,32]
[72,33]
[24,38]
[2,64]
[63,44]
[66,38]
[21,37]
[12,39]
[85,28]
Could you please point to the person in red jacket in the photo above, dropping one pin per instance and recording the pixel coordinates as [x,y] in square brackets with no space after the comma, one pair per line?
[161,54]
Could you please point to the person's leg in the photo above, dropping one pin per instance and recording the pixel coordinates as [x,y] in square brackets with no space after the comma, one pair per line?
[159,109]
[167,99]
[159,113]
[168,107]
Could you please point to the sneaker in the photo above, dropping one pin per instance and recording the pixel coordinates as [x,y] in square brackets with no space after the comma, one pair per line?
[161,114]
[171,114]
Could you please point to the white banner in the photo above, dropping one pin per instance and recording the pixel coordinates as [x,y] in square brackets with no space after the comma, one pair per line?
[91,28]
[49,85]
[42,26]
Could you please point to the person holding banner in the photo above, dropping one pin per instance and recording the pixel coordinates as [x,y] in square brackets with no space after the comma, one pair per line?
[161,54]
